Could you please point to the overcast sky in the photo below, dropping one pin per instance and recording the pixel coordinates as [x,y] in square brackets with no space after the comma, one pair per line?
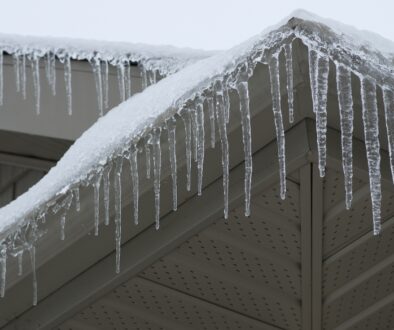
[207,24]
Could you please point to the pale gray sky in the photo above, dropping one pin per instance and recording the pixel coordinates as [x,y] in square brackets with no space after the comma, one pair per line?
[207,24]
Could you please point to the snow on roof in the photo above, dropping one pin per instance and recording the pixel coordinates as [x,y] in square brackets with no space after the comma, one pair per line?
[362,38]
[165,59]
[209,79]
[154,62]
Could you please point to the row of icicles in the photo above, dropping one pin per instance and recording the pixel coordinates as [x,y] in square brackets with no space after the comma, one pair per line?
[214,103]
[100,70]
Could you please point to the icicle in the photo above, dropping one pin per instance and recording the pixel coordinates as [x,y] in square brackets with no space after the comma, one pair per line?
[36,82]
[16,64]
[1,78]
[144,78]
[20,263]
[127,81]
[211,113]
[243,92]
[188,143]
[52,76]
[154,76]
[62,226]
[290,84]
[372,146]
[64,205]
[67,80]
[345,101]
[106,172]
[194,120]
[121,81]
[321,111]
[32,251]
[156,172]
[118,209]
[200,145]
[104,78]
[48,67]
[277,110]
[96,66]
[171,126]
[23,75]
[388,98]
[147,156]
[3,265]
[77,199]
[221,120]
[226,102]
[96,187]
[313,71]
[134,175]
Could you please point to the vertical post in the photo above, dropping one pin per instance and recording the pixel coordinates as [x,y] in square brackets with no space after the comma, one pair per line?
[317,247]
[306,244]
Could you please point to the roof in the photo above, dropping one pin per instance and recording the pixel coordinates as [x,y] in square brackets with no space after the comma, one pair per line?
[128,126]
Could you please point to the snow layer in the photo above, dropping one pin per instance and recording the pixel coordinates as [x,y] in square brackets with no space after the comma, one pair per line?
[165,59]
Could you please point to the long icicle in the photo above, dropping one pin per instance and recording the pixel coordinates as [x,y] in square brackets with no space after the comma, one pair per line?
[62,226]
[32,252]
[23,75]
[67,81]
[96,187]
[372,146]
[20,263]
[243,92]
[147,156]
[289,80]
[321,112]
[278,119]
[171,128]
[345,102]
[1,79]
[106,182]
[156,172]
[200,145]
[52,81]
[186,117]
[118,209]
[313,67]
[65,205]
[135,178]
[16,64]
[104,78]
[193,116]
[127,81]
[36,82]
[121,82]
[222,125]
[226,102]
[388,98]
[211,114]
[77,199]
[96,67]
[3,269]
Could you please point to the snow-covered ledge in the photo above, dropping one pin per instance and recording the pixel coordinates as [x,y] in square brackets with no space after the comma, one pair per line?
[29,53]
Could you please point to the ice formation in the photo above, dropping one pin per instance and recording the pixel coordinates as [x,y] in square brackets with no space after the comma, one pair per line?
[199,97]
[345,102]
[154,61]
[278,119]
